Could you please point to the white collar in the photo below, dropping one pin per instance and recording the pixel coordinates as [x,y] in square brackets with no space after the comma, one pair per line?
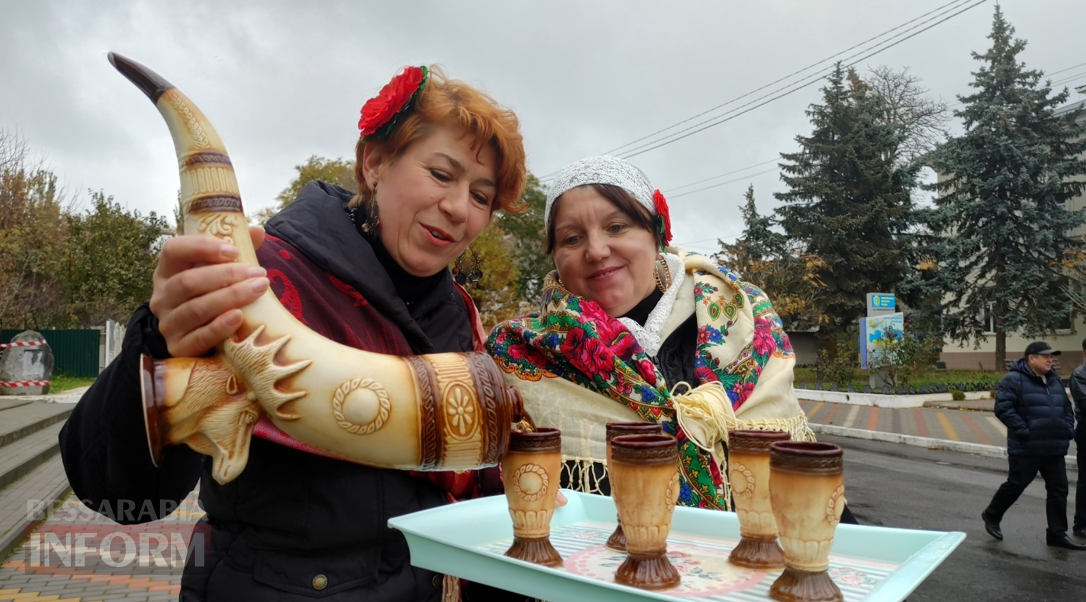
[649,335]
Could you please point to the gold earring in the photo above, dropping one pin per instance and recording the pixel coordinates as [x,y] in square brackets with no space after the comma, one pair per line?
[373,221]
[662,274]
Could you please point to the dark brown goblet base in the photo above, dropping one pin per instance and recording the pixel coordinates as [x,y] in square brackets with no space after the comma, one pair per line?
[617,541]
[537,550]
[759,553]
[648,571]
[801,586]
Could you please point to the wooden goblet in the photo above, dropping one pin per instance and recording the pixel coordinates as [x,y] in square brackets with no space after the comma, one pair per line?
[806,485]
[645,479]
[748,471]
[531,470]
[617,541]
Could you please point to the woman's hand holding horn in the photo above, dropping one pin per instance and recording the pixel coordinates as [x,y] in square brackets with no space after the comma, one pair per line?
[199,290]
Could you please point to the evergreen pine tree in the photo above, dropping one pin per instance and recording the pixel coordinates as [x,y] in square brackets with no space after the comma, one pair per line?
[848,203]
[759,242]
[767,259]
[1005,231]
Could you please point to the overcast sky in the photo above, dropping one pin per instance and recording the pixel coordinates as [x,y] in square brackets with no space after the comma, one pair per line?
[284,80]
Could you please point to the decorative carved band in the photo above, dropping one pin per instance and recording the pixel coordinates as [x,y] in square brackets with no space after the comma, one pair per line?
[204,158]
[216,203]
[649,449]
[755,441]
[618,429]
[538,441]
[212,180]
[644,455]
[801,464]
[431,445]
[490,385]
[196,131]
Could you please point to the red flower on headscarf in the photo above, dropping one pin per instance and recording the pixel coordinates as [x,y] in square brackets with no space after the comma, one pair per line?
[587,354]
[763,342]
[379,113]
[662,210]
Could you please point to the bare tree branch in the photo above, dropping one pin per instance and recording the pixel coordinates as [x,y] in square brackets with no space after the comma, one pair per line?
[923,121]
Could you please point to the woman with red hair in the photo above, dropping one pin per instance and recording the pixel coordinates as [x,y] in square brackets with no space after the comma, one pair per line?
[435,159]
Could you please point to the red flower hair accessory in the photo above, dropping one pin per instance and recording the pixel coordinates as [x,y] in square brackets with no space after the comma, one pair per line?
[380,113]
[660,203]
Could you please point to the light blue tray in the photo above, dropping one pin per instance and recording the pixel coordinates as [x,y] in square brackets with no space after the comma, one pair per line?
[469,539]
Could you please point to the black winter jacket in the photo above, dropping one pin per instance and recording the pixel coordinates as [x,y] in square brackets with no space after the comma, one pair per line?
[290,515]
[1036,411]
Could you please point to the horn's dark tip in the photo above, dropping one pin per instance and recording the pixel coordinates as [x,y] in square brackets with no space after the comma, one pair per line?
[151,83]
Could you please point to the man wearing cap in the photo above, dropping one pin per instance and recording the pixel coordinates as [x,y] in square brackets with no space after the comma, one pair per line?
[1032,403]
[1078,394]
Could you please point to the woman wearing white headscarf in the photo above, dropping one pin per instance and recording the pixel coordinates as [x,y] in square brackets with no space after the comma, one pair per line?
[631,329]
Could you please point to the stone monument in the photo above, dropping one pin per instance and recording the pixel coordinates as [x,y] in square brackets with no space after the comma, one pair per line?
[21,364]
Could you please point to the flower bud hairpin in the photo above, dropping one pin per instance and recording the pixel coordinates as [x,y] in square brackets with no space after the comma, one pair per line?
[380,113]
[663,215]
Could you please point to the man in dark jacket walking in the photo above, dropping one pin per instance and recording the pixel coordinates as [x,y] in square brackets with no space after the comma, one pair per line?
[1078,394]
[1032,403]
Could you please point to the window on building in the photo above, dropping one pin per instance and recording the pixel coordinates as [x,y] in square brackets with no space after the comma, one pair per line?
[987,318]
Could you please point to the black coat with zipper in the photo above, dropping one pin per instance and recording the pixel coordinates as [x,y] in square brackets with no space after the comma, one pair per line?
[1037,412]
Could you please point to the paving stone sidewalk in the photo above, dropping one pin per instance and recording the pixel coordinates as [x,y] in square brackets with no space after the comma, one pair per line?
[79,556]
[969,427]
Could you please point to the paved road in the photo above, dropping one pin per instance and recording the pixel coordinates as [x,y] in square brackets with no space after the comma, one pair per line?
[903,486]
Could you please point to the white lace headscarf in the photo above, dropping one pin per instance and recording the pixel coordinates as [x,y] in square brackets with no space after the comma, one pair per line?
[629,177]
[601,170]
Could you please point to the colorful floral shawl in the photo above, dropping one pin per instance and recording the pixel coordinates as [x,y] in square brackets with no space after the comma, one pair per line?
[739,337]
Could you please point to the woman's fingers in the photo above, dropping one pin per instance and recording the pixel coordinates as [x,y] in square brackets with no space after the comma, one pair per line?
[198,288]
[199,341]
[199,281]
[560,499]
[182,252]
[205,320]
[256,233]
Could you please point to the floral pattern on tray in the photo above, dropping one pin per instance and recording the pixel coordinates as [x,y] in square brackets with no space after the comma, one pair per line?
[703,564]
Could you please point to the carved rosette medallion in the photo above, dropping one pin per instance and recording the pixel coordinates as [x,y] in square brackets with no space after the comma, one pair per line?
[742,481]
[531,482]
[835,506]
[361,406]
[459,410]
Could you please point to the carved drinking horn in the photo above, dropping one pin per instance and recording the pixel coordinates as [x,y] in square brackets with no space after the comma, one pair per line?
[444,411]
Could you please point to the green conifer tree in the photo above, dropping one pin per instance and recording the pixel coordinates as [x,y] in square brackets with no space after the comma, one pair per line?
[848,203]
[1005,232]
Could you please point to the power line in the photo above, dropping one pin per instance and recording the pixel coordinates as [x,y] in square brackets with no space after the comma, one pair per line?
[678,188]
[1067,69]
[790,75]
[941,10]
[1070,79]
[709,123]
[1067,80]
[718,185]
